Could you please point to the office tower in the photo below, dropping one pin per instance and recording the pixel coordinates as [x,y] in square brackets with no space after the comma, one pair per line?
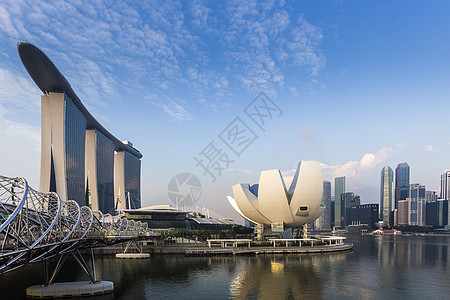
[339,189]
[348,200]
[445,185]
[99,171]
[387,195]
[443,210]
[364,214]
[332,212]
[437,213]
[127,180]
[326,200]
[401,182]
[431,196]
[431,214]
[417,205]
[403,212]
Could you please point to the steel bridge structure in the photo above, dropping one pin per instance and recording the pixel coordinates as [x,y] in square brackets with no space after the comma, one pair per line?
[37,227]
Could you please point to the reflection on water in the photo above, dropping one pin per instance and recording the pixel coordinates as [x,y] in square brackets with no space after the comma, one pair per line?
[377,268]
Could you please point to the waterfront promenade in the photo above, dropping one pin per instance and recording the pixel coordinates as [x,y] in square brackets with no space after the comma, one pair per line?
[267,250]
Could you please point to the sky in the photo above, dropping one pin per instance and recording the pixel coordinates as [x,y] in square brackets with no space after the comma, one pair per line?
[355,85]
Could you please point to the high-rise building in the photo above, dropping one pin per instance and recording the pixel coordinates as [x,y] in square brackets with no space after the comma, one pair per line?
[403,212]
[63,128]
[348,200]
[77,152]
[387,195]
[443,210]
[417,205]
[339,189]
[445,189]
[432,214]
[364,214]
[431,196]
[437,213]
[326,200]
[127,188]
[332,212]
[401,182]
[99,171]
[445,185]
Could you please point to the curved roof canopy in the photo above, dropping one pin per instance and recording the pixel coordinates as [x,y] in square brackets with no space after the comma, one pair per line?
[48,78]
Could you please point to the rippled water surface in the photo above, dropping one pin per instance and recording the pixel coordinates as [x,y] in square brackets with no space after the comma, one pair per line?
[377,268]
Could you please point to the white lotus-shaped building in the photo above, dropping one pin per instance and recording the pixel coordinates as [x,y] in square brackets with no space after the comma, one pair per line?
[270,201]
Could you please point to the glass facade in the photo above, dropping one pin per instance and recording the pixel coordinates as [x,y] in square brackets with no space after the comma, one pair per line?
[387,195]
[325,223]
[401,182]
[442,213]
[348,200]
[105,172]
[445,185]
[132,166]
[364,214]
[339,189]
[417,206]
[74,143]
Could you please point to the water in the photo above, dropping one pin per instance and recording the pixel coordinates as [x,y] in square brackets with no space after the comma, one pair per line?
[377,268]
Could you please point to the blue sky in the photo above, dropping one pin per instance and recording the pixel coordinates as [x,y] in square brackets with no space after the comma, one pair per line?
[361,85]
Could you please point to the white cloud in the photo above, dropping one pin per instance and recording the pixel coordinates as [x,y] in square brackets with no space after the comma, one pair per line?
[27,132]
[354,169]
[20,149]
[245,171]
[428,148]
[6,23]
[17,92]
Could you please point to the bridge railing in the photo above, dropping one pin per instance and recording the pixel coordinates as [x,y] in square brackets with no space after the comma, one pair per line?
[35,226]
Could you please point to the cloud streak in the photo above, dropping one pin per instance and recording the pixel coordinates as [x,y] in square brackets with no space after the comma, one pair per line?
[196,53]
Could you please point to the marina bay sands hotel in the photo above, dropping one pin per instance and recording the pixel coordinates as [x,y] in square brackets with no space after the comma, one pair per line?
[80,159]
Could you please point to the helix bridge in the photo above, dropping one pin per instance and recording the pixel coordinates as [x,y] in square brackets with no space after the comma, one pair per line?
[36,227]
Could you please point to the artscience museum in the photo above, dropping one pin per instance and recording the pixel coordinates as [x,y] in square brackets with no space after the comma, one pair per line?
[275,208]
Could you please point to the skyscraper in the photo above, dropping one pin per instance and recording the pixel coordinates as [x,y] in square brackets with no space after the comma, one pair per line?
[99,171]
[339,189]
[63,128]
[431,196]
[417,205]
[403,212]
[445,185]
[325,219]
[348,200]
[127,189]
[401,182]
[387,195]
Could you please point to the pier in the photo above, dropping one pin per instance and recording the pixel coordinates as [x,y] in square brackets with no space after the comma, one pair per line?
[268,250]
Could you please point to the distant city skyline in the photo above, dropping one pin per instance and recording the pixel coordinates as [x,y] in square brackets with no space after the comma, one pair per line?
[177,74]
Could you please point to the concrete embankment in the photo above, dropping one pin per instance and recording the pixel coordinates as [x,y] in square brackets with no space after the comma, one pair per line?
[268,250]
[203,250]
[151,249]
